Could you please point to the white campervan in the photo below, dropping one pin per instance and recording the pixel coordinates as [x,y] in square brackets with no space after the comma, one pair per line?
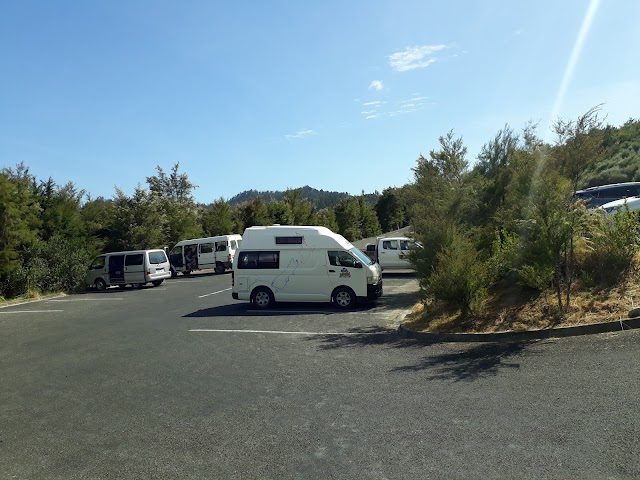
[200,253]
[302,264]
[135,267]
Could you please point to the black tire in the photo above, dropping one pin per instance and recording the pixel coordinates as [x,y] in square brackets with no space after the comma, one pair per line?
[262,298]
[187,272]
[138,285]
[220,267]
[174,274]
[101,285]
[157,283]
[343,298]
[122,287]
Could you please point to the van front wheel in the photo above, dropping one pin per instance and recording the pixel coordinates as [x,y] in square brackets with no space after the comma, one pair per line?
[157,283]
[343,298]
[263,298]
[101,285]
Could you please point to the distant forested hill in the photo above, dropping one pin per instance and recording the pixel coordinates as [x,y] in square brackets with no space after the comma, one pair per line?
[620,160]
[319,198]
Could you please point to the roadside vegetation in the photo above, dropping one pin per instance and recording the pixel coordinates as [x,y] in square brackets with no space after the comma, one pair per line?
[502,234]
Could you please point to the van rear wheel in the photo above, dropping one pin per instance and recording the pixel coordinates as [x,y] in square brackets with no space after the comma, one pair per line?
[157,283]
[343,298]
[262,298]
[219,267]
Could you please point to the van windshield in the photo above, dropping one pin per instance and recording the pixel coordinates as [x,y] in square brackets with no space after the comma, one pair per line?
[361,256]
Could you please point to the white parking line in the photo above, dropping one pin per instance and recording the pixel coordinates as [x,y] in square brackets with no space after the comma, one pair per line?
[85,300]
[283,332]
[213,293]
[33,311]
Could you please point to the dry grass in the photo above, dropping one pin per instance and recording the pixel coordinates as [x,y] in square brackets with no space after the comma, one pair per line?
[515,308]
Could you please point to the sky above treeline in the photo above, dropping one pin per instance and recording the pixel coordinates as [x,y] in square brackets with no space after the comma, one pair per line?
[340,96]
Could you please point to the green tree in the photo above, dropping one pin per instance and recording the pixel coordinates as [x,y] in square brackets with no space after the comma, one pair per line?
[280,212]
[578,145]
[253,213]
[174,193]
[390,210]
[60,213]
[301,209]
[217,219]
[19,215]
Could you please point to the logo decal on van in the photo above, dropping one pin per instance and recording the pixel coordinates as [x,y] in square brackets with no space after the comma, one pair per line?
[344,273]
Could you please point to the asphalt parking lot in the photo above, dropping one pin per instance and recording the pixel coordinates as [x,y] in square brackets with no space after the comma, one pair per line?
[181,381]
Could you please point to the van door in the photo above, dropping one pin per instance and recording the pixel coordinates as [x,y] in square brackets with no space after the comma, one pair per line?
[206,255]
[342,271]
[191,257]
[134,268]
[175,258]
[116,269]
[389,254]
[403,256]
[221,252]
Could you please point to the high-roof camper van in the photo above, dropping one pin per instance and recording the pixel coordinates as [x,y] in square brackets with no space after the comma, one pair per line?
[302,264]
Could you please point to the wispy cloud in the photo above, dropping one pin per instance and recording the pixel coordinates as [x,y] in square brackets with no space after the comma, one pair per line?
[377,103]
[398,107]
[414,57]
[376,85]
[305,132]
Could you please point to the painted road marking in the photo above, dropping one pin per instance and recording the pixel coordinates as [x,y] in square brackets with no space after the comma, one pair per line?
[285,332]
[34,311]
[213,293]
[28,301]
[85,300]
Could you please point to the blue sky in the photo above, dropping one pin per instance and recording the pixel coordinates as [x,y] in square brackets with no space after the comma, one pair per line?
[272,95]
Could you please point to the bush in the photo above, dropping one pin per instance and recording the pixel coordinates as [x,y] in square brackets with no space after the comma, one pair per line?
[612,245]
[460,279]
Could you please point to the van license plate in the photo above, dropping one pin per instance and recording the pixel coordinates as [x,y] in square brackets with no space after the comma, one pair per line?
[159,270]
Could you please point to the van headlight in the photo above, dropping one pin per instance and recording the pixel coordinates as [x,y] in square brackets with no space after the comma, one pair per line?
[370,280]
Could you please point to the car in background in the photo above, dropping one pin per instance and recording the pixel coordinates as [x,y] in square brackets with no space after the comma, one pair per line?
[632,204]
[593,197]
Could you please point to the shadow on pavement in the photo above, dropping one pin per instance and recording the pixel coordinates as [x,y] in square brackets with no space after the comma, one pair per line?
[280,309]
[471,362]
[460,362]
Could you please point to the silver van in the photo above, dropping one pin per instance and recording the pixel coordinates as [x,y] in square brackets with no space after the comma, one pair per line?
[135,267]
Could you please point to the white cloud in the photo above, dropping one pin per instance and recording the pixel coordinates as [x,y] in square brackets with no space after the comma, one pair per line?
[376,85]
[305,132]
[414,57]
[370,117]
[377,103]
[368,112]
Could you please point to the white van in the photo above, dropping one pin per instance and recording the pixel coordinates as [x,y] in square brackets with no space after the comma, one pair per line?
[393,252]
[200,253]
[302,264]
[135,267]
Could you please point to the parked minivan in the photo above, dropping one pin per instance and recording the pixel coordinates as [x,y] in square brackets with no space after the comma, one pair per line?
[200,253]
[135,267]
[596,196]
[302,264]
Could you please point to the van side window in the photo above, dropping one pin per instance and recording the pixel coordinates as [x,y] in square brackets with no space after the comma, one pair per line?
[404,244]
[390,244]
[289,240]
[97,263]
[206,247]
[233,245]
[135,259]
[221,246]
[176,251]
[157,257]
[259,260]
[339,258]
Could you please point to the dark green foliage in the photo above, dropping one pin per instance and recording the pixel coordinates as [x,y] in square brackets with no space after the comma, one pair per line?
[217,219]
[460,277]
[613,243]
[19,215]
[391,210]
[319,198]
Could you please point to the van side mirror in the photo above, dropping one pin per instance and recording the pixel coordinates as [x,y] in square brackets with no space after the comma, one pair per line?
[357,264]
